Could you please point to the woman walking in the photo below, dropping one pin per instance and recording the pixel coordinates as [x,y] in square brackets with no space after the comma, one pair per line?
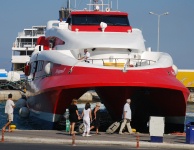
[87,118]
[73,115]
[96,121]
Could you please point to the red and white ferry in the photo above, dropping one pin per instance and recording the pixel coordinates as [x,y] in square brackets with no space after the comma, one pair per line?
[120,67]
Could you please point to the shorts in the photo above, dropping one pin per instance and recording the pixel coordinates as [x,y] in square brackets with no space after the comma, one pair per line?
[10,117]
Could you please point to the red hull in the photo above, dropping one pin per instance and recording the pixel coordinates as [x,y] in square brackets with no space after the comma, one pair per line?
[153,92]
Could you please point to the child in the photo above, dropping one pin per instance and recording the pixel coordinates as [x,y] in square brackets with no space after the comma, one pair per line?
[87,118]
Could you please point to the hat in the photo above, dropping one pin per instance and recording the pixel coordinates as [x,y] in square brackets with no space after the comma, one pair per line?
[128,100]
[98,104]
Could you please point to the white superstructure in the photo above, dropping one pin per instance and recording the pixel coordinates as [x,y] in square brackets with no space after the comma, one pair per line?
[24,45]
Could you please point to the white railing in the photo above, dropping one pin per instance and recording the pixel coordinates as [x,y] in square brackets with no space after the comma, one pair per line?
[31,34]
[24,44]
[117,62]
[122,61]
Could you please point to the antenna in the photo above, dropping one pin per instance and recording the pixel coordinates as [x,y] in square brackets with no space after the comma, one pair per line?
[69,6]
[117,5]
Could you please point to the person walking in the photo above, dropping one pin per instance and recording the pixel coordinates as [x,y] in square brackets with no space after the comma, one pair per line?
[126,117]
[9,108]
[87,118]
[96,120]
[73,115]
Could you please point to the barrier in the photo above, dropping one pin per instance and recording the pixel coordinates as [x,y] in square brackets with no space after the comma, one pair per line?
[190,133]
[73,139]
[137,139]
[2,139]
[156,128]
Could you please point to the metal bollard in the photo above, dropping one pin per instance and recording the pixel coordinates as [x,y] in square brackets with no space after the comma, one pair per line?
[73,139]
[137,139]
[2,139]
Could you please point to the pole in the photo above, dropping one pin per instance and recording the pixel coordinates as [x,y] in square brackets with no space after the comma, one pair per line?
[2,139]
[158,33]
[69,6]
[152,13]
[137,139]
[117,5]
[73,139]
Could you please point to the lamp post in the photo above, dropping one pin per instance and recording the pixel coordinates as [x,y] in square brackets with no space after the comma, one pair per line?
[152,13]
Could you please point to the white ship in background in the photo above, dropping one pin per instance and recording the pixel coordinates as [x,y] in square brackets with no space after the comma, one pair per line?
[22,49]
[24,46]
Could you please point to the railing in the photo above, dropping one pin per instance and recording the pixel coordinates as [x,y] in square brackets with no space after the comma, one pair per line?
[31,34]
[24,44]
[116,62]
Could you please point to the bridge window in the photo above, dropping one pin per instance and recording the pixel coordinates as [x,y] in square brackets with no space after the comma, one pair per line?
[113,20]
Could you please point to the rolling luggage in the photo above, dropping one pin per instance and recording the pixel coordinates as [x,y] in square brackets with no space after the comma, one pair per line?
[113,127]
[81,128]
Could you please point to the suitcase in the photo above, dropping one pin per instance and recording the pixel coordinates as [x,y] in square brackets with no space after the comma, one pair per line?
[81,128]
[113,127]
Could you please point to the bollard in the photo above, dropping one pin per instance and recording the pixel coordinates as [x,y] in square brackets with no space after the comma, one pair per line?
[73,139]
[2,139]
[137,139]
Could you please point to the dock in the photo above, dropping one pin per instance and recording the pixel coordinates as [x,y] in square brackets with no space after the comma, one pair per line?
[136,140]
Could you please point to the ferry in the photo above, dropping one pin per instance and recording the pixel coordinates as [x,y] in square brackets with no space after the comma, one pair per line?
[119,67]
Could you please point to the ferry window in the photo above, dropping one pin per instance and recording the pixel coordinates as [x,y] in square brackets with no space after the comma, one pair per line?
[79,19]
[40,65]
[116,20]
[68,20]
[97,19]
[33,66]
[29,53]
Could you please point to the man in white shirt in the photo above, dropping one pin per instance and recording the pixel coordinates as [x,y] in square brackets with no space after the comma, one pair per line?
[126,117]
[86,55]
[9,111]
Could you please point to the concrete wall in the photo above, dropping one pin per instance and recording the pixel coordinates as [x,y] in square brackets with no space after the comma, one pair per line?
[4,94]
[191,97]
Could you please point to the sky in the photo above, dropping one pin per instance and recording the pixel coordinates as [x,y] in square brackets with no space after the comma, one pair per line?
[176,29]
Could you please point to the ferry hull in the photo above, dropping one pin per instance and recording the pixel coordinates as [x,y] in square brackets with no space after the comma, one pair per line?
[152,95]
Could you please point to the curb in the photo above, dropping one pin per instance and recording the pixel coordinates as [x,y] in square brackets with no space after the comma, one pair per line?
[96,142]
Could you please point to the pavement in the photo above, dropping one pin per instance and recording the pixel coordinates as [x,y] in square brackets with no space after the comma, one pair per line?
[175,141]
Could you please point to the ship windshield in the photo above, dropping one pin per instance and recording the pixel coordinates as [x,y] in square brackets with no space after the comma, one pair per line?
[116,20]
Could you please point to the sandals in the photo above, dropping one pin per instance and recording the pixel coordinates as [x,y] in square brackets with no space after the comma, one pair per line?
[98,133]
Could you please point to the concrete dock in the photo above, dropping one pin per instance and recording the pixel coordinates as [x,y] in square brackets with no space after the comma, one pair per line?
[177,141]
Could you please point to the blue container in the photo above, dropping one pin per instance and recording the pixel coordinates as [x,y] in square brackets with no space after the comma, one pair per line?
[157,139]
[190,133]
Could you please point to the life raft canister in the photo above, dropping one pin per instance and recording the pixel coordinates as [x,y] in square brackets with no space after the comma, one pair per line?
[27,70]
